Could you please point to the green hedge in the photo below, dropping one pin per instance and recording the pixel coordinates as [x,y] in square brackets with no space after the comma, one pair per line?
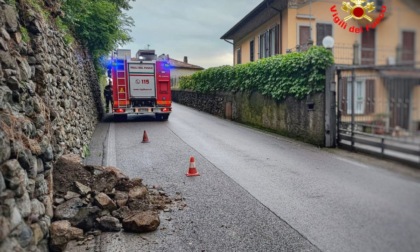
[281,76]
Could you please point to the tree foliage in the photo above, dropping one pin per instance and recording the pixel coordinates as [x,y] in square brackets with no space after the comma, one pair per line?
[99,24]
[294,74]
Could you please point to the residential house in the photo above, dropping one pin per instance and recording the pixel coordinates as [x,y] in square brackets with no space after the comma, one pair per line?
[180,68]
[388,35]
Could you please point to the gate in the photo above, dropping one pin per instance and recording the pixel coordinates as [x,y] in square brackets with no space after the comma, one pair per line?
[378,111]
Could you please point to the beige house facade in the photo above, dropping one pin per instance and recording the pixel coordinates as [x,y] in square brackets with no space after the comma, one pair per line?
[388,37]
[280,26]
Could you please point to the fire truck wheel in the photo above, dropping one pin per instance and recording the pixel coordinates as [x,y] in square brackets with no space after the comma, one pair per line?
[162,117]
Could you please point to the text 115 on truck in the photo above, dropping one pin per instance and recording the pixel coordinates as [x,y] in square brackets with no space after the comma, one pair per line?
[140,85]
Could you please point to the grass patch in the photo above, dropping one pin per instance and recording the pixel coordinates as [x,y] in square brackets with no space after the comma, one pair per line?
[102,83]
[25,34]
[68,37]
[11,2]
[85,151]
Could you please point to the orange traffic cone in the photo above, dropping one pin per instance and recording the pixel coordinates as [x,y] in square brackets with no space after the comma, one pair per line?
[145,138]
[192,171]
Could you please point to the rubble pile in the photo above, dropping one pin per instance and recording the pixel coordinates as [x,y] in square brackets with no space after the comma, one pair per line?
[91,198]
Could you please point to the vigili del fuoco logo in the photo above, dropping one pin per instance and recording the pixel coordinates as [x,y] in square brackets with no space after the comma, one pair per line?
[357,9]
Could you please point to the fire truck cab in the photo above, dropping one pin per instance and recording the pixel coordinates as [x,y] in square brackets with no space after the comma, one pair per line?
[140,85]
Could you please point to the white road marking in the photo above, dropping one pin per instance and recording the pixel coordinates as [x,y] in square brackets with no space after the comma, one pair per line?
[111,156]
[352,162]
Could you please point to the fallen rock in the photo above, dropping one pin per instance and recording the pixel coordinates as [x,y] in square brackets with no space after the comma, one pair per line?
[105,202]
[61,233]
[121,198]
[126,184]
[105,180]
[138,192]
[109,223]
[141,222]
[67,170]
[122,213]
[68,209]
[101,197]
[71,195]
[139,205]
[116,172]
[83,190]
[85,218]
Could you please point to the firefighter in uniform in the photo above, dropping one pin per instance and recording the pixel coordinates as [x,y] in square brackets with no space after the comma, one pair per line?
[108,96]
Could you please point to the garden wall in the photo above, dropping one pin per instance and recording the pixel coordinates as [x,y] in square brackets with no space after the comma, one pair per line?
[299,119]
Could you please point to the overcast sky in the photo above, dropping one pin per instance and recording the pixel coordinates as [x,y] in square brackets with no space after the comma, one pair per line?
[187,28]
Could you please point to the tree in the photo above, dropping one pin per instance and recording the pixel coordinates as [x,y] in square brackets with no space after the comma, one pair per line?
[99,24]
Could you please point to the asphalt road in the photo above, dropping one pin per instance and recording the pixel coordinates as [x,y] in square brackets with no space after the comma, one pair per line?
[257,191]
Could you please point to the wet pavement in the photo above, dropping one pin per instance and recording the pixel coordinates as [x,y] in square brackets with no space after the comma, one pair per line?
[257,191]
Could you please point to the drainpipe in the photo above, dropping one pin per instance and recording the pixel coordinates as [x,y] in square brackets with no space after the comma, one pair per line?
[233,46]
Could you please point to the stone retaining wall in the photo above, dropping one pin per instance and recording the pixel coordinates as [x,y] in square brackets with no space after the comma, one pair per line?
[293,118]
[49,106]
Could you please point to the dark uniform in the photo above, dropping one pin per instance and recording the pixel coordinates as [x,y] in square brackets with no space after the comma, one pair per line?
[108,97]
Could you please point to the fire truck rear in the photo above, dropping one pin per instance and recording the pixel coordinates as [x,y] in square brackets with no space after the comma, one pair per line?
[141,85]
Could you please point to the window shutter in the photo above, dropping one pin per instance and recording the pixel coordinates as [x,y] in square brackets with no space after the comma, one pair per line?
[408,46]
[277,46]
[328,30]
[370,96]
[344,95]
[267,44]
[322,30]
[320,34]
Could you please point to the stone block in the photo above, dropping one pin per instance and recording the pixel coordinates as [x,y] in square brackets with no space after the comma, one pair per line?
[121,198]
[138,192]
[24,205]
[11,244]
[85,218]
[4,140]
[83,189]
[46,200]
[61,233]
[71,195]
[41,186]
[23,234]
[38,235]
[4,228]
[37,208]
[109,223]
[105,202]
[68,209]
[11,18]
[141,222]
[2,183]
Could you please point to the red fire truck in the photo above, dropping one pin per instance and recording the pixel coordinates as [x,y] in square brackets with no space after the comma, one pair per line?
[141,85]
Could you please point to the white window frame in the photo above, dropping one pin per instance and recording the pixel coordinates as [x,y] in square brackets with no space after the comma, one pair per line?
[359,96]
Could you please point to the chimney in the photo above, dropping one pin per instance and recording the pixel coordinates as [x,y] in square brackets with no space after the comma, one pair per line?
[185,59]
